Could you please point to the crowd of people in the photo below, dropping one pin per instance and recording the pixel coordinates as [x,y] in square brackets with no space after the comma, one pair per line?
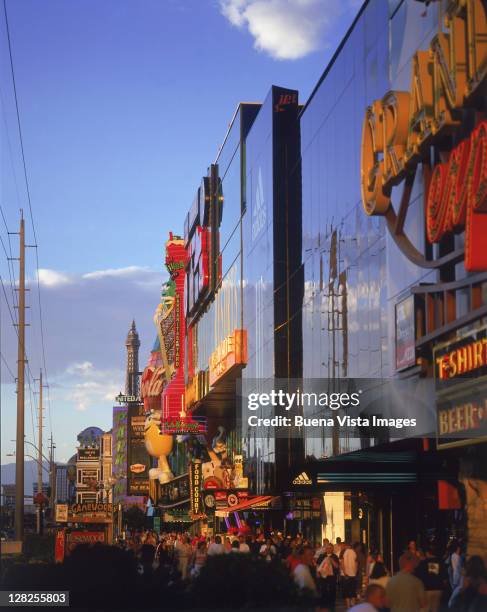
[332,571]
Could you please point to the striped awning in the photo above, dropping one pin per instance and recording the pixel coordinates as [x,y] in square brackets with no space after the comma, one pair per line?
[259,502]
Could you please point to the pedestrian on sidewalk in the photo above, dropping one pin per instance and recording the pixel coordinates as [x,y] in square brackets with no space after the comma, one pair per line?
[183,553]
[404,591]
[374,600]
[349,571]
[472,595]
[432,573]
[302,572]
[328,571]
[379,575]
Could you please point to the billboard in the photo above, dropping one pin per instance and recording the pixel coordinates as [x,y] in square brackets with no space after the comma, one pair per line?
[119,450]
[138,459]
[88,454]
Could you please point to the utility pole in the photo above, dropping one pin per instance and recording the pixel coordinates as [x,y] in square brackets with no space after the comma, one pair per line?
[39,463]
[52,478]
[39,444]
[19,456]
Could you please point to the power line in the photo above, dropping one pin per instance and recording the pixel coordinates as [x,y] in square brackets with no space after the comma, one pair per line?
[18,118]
[30,377]
[30,204]
[8,367]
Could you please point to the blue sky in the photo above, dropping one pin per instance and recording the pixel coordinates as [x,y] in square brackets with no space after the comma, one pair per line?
[123,105]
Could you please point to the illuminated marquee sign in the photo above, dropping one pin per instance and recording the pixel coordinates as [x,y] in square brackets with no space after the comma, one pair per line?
[231,352]
[466,417]
[195,483]
[188,425]
[90,512]
[461,386]
[171,335]
[203,270]
[90,508]
[461,359]
[399,129]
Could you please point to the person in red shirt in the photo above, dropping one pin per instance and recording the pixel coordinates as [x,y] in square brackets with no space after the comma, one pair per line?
[293,560]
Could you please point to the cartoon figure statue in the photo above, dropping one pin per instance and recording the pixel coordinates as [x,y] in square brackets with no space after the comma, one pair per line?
[219,444]
[158,445]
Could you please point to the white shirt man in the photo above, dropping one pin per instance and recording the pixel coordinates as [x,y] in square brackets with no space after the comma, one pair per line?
[216,547]
[350,562]
[244,547]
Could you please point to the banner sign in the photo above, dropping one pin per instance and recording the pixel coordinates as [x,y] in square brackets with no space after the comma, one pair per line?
[119,450]
[138,459]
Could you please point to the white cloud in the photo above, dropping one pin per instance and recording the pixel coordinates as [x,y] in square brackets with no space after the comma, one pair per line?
[86,387]
[115,272]
[53,278]
[285,29]
[80,368]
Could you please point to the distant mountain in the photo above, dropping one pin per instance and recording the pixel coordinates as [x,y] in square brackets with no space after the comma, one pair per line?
[7,475]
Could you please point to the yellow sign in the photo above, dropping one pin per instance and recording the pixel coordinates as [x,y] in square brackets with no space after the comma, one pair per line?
[232,351]
[91,507]
[466,358]
[469,416]
[61,513]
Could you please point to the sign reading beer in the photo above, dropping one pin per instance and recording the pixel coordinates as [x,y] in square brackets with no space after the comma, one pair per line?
[463,417]
[399,130]
[231,352]
[461,386]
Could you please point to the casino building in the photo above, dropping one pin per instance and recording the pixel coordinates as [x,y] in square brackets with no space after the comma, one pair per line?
[393,163]
[242,236]
[339,240]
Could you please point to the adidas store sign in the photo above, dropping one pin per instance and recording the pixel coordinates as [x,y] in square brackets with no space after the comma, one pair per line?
[302,479]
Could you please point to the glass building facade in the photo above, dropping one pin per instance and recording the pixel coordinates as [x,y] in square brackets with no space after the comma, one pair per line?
[358,275]
[271,272]
[324,291]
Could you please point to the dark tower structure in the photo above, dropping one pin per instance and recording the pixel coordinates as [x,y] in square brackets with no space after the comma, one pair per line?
[132,377]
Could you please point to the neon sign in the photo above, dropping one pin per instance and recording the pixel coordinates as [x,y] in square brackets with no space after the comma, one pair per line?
[399,129]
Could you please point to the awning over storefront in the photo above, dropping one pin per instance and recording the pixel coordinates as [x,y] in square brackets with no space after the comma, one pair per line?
[260,502]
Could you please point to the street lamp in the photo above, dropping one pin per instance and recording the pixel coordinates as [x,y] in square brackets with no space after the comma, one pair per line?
[34,446]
